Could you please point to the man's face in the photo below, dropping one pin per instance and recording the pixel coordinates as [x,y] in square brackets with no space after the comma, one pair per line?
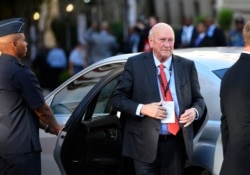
[239,26]
[21,46]
[162,42]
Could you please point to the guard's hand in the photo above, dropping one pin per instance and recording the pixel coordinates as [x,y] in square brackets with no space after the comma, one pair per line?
[154,110]
[188,117]
[56,131]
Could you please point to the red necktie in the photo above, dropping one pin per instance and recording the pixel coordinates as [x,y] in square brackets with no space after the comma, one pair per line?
[173,128]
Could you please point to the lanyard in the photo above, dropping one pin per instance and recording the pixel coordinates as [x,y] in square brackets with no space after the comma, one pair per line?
[161,81]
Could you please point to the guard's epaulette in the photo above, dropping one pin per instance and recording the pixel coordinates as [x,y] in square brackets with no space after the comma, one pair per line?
[21,64]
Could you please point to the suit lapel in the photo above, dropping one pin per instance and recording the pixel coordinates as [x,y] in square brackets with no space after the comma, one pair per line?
[151,72]
[180,79]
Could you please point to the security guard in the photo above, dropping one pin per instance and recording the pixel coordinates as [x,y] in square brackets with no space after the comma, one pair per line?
[22,106]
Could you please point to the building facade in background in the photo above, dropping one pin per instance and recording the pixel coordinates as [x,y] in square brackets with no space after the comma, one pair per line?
[126,12]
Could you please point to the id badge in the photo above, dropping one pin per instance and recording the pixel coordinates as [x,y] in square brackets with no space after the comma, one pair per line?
[169,106]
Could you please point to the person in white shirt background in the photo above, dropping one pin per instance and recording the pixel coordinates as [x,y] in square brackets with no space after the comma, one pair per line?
[77,59]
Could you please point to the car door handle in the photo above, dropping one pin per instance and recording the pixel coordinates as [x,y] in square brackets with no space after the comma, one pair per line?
[110,133]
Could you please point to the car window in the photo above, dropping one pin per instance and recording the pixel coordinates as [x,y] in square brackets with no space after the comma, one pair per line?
[67,99]
[103,104]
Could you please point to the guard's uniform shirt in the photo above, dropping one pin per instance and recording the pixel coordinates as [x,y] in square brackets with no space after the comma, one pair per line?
[20,94]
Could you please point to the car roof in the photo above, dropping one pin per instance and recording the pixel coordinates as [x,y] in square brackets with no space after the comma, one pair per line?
[213,58]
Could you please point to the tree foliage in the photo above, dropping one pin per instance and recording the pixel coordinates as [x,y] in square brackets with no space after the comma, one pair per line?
[225,18]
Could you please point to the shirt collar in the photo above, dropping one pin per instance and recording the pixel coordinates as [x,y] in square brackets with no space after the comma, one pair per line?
[167,63]
[211,30]
[202,35]
[190,27]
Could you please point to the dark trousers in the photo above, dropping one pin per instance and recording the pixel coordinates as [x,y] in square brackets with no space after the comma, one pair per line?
[21,164]
[170,159]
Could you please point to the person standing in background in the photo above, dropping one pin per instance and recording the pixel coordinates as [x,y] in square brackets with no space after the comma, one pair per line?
[143,45]
[149,81]
[40,67]
[101,44]
[235,37]
[22,106]
[235,119]
[201,38]
[216,33]
[57,61]
[131,45]
[77,59]
[186,35]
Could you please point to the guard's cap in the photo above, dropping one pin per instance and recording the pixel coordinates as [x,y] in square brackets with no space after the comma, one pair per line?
[11,26]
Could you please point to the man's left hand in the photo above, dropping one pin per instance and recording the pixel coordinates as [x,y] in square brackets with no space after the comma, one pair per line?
[188,117]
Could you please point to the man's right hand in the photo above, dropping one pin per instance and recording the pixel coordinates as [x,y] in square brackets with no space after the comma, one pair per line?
[154,110]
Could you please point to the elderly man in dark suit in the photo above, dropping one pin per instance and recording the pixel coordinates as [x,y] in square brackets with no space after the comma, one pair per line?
[235,108]
[159,114]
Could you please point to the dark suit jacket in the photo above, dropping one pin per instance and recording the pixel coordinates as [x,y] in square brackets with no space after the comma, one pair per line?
[205,42]
[138,85]
[235,108]
[219,38]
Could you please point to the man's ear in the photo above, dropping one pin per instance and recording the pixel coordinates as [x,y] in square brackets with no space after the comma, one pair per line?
[14,43]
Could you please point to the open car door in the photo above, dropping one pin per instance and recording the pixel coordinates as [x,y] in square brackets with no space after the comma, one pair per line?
[92,138]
